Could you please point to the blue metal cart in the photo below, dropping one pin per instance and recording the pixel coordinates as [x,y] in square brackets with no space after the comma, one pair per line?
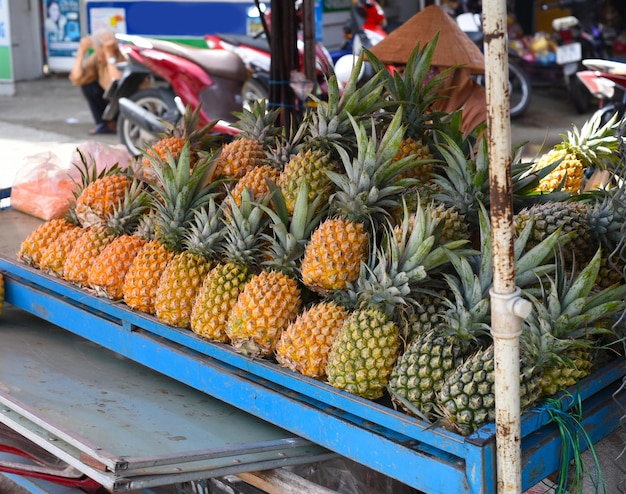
[417,454]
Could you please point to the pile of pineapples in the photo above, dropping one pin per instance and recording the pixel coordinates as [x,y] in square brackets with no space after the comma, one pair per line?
[355,248]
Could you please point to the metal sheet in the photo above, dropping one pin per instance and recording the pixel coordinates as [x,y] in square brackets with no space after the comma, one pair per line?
[125,419]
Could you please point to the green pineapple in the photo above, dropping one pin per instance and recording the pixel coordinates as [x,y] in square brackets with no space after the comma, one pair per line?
[463,327]
[366,349]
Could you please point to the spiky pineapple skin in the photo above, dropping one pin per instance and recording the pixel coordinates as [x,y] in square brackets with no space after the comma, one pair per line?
[421,370]
[100,198]
[54,256]
[561,375]
[267,304]
[239,157]
[364,354]
[570,170]
[107,273]
[424,170]
[305,344]
[178,287]
[84,252]
[467,396]
[215,300]
[311,166]
[333,256]
[142,279]
[256,182]
[570,216]
[34,245]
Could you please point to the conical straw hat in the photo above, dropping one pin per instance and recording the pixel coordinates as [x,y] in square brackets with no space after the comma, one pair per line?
[454,47]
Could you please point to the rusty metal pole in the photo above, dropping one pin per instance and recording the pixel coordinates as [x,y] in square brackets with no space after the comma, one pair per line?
[508,308]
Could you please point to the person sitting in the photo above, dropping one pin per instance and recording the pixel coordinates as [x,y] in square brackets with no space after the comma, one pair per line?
[93,70]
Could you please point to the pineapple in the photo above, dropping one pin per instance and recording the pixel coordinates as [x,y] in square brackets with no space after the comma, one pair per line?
[593,146]
[55,232]
[251,147]
[184,274]
[33,248]
[365,351]
[256,182]
[415,91]
[177,191]
[244,223]
[460,329]
[107,273]
[272,298]
[306,342]
[174,139]
[98,200]
[324,129]
[555,349]
[569,313]
[366,194]
[467,397]
[570,217]
[124,218]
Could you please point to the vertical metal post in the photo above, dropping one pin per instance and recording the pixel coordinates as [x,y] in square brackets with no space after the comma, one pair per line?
[507,306]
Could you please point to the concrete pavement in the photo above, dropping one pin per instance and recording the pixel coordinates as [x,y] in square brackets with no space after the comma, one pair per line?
[50,115]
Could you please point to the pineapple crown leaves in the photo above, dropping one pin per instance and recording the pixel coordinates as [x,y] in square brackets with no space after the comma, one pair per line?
[244,225]
[370,185]
[257,122]
[206,231]
[178,191]
[290,234]
[606,215]
[465,179]
[127,214]
[571,308]
[415,89]
[595,143]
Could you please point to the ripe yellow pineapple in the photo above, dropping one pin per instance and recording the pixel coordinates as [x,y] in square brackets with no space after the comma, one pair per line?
[108,271]
[98,200]
[306,342]
[244,223]
[35,244]
[250,148]
[174,139]
[272,298]
[184,274]
[333,256]
[256,182]
[593,146]
[322,131]
[177,191]
[123,219]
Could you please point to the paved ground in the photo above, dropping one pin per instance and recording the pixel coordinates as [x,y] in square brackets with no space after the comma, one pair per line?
[49,115]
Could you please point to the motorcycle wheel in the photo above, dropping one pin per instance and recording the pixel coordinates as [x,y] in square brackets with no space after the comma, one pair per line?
[579,95]
[253,90]
[519,91]
[156,101]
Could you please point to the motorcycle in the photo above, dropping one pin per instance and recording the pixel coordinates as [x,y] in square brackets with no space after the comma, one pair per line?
[161,78]
[256,55]
[577,37]
[606,81]
[367,24]
[519,85]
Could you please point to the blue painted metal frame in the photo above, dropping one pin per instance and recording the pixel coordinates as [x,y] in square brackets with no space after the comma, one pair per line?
[418,454]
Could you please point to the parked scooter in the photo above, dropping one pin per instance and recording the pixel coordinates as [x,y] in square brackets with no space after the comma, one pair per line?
[256,55]
[367,24]
[577,37]
[606,81]
[160,79]
[519,85]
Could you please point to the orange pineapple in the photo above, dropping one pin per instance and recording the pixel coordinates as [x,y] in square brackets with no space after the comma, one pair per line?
[251,147]
[177,191]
